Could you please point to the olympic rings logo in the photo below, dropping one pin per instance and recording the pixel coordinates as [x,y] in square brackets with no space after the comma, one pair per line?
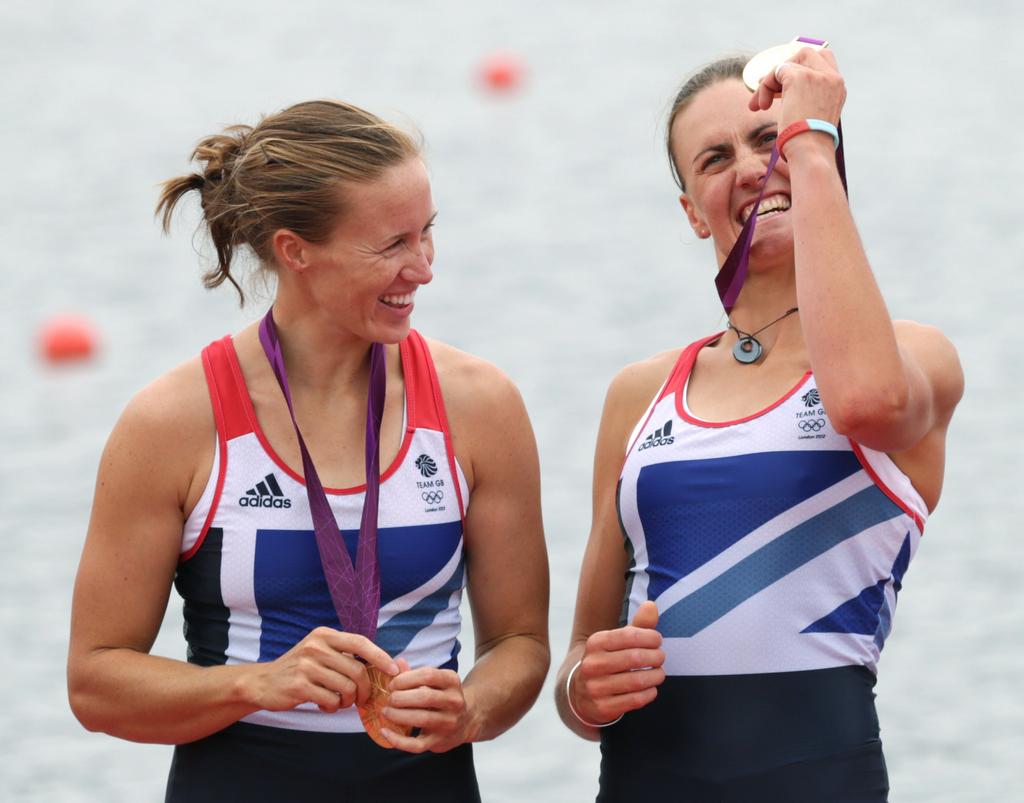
[432,497]
[812,425]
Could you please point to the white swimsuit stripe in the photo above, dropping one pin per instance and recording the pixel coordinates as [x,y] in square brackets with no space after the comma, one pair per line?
[770,544]
[250,573]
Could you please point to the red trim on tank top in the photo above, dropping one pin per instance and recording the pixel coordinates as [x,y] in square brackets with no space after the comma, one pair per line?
[684,363]
[411,386]
[689,358]
[666,390]
[239,416]
[869,469]
[273,455]
[212,386]
[419,378]
[420,345]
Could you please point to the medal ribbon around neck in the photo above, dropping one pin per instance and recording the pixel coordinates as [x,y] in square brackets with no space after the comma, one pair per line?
[733,272]
[355,590]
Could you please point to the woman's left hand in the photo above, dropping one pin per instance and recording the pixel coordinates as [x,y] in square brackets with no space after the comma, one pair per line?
[433,701]
[809,86]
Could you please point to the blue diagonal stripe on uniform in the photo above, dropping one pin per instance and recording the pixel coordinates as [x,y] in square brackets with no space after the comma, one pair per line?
[899,568]
[693,510]
[775,560]
[884,624]
[868,613]
[858,615]
[398,631]
[291,592]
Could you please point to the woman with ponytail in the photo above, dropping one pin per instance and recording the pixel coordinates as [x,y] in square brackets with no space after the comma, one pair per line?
[758,494]
[321,581]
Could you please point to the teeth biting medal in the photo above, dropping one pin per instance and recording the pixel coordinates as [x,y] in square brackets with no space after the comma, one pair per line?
[733,272]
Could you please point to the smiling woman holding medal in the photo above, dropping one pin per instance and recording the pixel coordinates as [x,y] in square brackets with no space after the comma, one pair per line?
[770,482]
[319,662]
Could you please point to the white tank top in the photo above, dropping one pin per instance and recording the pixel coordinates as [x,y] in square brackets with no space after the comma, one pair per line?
[770,543]
[250,572]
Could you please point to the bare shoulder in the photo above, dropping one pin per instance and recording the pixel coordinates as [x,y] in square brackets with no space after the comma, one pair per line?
[470,384]
[167,430]
[490,428]
[937,357]
[633,388]
[176,404]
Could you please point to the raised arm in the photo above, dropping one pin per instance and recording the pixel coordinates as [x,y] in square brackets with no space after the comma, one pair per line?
[152,470]
[613,669]
[883,386]
[507,570]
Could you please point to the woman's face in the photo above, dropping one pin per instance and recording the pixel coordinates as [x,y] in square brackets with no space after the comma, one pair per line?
[721,150]
[365,276]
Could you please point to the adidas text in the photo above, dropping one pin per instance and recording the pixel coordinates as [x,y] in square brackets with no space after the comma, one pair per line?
[265,493]
[650,444]
[660,437]
[264,501]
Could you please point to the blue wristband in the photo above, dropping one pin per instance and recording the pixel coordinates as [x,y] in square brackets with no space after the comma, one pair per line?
[802,127]
[826,127]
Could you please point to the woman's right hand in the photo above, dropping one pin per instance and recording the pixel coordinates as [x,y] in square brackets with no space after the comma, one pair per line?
[621,669]
[808,85]
[328,668]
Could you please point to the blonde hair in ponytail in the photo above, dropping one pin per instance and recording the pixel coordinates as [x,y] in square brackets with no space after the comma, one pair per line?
[283,173]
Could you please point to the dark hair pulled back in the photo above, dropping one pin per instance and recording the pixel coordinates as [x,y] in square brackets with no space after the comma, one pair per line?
[721,70]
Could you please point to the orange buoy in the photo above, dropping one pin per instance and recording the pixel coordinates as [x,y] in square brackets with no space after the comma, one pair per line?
[67,338]
[501,71]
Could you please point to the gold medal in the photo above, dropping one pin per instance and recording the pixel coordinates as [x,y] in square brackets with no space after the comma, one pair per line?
[370,711]
[767,60]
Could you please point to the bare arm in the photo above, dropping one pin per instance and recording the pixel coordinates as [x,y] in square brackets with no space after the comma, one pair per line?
[878,388]
[145,478]
[619,667]
[507,572]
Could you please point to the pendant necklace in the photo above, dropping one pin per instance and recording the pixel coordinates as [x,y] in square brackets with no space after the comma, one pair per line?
[748,348]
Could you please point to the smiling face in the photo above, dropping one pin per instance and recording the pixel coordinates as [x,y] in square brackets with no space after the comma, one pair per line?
[364,277]
[721,150]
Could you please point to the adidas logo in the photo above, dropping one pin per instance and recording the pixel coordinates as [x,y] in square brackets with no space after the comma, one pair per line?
[660,437]
[266,493]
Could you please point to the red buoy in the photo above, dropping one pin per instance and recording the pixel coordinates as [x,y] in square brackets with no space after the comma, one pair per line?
[67,338]
[501,71]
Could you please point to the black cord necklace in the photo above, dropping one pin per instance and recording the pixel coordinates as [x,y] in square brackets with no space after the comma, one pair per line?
[748,349]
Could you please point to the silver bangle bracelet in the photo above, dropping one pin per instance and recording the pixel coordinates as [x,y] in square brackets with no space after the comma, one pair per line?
[575,713]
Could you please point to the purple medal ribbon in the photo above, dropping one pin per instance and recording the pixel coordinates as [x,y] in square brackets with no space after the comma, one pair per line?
[730,278]
[355,590]
[733,273]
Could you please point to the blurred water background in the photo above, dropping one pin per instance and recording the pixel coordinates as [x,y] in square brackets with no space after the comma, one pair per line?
[562,255]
